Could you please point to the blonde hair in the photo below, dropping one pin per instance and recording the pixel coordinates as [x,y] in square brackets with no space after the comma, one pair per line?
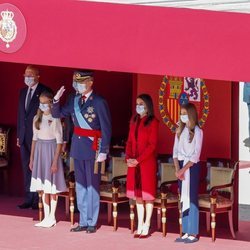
[39,114]
[192,121]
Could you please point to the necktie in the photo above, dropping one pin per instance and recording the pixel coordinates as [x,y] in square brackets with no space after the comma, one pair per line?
[28,99]
[83,99]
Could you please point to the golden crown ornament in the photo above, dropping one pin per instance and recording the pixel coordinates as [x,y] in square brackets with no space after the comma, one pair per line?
[8,28]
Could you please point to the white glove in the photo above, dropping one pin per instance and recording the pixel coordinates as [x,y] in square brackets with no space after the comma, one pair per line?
[59,94]
[101,157]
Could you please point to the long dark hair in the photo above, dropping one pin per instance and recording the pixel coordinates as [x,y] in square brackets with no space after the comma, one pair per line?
[150,109]
[39,113]
[193,120]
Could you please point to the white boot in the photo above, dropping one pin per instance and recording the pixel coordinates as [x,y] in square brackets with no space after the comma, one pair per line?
[145,230]
[51,220]
[146,225]
[46,213]
[140,214]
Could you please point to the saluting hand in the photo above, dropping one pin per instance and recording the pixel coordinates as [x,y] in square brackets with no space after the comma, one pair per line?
[59,93]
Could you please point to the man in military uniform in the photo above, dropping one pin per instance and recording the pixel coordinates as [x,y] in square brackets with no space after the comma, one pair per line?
[89,146]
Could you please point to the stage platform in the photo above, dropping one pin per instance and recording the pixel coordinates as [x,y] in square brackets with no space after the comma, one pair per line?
[17,231]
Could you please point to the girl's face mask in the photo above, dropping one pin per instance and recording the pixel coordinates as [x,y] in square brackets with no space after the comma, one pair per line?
[184,118]
[44,107]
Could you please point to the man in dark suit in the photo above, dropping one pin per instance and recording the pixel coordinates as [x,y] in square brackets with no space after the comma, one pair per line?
[27,108]
[90,144]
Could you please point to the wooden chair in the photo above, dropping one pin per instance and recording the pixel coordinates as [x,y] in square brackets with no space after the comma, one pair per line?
[220,198]
[4,154]
[113,191]
[166,198]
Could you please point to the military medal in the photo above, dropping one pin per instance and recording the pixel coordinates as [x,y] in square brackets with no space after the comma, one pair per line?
[90,115]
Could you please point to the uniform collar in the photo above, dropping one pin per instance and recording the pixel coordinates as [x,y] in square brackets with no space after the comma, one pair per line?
[88,95]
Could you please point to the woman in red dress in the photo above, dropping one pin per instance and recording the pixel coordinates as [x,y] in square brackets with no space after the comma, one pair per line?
[142,162]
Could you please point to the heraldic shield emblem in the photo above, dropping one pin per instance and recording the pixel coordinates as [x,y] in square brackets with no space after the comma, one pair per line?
[176,91]
[12,28]
[8,29]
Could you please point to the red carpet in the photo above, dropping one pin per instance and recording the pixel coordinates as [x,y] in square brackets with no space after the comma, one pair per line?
[17,231]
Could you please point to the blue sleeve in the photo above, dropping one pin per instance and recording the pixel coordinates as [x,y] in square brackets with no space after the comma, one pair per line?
[60,112]
[105,124]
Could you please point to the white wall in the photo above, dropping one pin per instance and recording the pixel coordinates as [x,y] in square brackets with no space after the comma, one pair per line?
[244,153]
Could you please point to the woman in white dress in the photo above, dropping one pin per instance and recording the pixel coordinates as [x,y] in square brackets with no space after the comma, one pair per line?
[45,161]
[186,155]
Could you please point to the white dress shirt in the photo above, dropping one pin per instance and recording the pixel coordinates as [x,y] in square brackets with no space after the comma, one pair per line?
[183,150]
[50,128]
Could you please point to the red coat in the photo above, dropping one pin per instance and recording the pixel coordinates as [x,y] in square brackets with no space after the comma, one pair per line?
[144,151]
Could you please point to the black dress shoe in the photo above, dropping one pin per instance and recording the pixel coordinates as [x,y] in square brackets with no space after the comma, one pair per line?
[24,206]
[91,230]
[34,206]
[78,229]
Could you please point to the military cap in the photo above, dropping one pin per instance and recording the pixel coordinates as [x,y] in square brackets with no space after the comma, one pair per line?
[82,75]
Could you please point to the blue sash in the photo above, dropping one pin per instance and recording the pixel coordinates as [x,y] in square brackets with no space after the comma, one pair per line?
[80,119]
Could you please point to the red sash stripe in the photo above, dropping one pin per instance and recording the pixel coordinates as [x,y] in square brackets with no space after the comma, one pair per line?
[89,133]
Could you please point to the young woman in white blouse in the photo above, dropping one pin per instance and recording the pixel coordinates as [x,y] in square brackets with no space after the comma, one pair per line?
[186,155]
[45,161]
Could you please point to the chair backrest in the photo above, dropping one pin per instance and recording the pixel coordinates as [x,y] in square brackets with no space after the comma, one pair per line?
[220,162]
[4,139]
[223,175]
[119,166]
[167,172]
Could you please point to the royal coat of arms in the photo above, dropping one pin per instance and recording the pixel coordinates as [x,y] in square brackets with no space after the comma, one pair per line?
[8,28]
[176,91]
